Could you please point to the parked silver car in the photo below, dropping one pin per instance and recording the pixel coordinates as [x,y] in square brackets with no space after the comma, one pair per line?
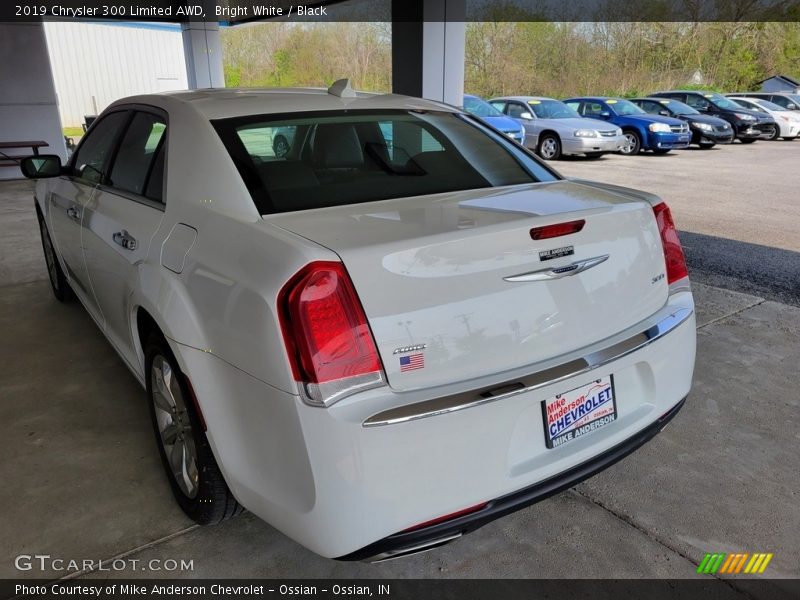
[552,128]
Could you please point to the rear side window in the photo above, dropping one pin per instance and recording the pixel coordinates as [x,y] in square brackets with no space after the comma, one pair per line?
[654,107]
[697,102]
[593,108]
[516,110]
[92,156]
[137,160]
[332,159]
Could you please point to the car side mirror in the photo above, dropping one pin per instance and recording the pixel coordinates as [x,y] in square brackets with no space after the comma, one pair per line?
[791,106]
[605,114]
[41,166]
[664,113]
[526,115]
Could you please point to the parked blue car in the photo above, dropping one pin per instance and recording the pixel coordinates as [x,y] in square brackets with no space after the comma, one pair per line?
[642,130]
[486,112]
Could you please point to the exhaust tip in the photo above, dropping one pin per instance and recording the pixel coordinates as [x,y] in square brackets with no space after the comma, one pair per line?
[410,550]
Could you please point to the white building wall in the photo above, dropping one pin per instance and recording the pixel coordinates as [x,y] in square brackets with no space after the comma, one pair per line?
[27,97]
[95,64]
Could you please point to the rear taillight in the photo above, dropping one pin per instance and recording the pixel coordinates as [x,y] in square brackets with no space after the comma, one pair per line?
[673,253]
[329,343]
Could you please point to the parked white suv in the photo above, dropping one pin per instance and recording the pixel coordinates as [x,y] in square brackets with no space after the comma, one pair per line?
[374,347]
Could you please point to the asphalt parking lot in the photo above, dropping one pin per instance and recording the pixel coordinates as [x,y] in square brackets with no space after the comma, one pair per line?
[84,481]
[736,207]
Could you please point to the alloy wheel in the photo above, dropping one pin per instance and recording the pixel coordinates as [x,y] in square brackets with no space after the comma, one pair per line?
[174,426]
[549,148]
[630,143]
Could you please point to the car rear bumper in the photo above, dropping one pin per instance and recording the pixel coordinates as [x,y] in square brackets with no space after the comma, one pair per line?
[337,486]
[410,542]
[589,145]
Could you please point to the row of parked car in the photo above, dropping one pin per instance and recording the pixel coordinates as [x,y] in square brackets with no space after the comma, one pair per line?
[660,122]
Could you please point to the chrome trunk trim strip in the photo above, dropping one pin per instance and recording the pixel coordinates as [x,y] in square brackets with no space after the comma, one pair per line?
[539,379]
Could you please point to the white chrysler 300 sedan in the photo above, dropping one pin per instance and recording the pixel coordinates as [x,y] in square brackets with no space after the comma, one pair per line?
[400,329]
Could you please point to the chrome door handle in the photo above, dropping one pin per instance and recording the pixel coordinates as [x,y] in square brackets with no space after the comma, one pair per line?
[122,238]
[74,213]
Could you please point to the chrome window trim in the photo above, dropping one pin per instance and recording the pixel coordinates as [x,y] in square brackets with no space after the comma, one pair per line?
[536,380]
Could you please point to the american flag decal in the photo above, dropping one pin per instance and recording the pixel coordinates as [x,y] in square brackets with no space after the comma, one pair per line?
[412,361]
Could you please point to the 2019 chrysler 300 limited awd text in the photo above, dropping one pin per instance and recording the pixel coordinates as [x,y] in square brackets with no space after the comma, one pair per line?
[374,347]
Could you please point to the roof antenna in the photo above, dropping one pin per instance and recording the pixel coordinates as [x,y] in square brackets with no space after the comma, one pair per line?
[341,88]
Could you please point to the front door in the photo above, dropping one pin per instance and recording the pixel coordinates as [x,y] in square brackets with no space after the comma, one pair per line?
[70,196]
[119,223]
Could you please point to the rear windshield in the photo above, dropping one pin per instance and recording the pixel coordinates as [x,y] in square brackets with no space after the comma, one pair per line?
[316,160]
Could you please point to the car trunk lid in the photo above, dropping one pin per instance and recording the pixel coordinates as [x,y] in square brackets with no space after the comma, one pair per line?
[454,287]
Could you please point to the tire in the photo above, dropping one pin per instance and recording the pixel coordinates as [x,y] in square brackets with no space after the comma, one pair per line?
[280,146]
[199,489]
[593,155]
[776,133]
[707,145]
[634,143]
[748,140]
[661,150]
[550,147]
[58,281]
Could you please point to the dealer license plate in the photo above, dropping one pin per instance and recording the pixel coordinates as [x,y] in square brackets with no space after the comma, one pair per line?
[576,413]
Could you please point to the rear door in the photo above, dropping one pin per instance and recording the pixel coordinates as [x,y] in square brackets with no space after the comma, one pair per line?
[72,194]
[122,219]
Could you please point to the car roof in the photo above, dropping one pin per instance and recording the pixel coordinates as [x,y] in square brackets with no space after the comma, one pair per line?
[762,94]
[220,103]
[598,98]
[701,92]
[524,98]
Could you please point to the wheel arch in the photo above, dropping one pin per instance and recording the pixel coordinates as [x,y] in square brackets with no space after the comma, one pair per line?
[637,129]
[544,132]
[144,323]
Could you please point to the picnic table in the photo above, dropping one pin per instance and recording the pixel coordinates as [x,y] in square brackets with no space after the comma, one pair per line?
[12,160]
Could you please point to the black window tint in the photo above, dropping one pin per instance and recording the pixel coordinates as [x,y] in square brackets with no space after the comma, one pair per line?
[137,153]
[351,157]
[697,102]
[515,110]
[593,108]
[155,183]
[92,157]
